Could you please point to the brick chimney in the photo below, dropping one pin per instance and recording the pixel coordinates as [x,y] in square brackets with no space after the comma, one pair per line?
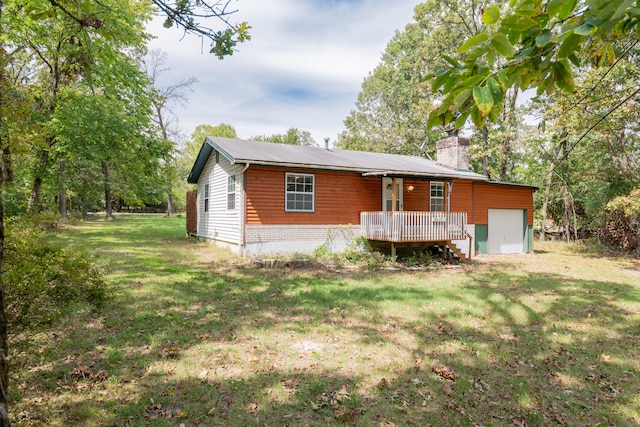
[453,152]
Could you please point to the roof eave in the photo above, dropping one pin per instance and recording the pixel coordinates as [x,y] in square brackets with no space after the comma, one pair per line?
[364,172]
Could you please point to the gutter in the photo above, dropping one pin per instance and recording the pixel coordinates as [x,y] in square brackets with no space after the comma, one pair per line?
[369,173]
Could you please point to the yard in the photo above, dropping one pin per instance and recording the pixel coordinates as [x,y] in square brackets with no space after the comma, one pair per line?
[196,337]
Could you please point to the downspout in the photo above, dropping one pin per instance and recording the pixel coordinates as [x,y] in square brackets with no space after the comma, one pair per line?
[243,215]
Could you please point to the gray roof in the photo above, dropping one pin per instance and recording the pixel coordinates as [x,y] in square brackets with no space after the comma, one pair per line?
[239,151]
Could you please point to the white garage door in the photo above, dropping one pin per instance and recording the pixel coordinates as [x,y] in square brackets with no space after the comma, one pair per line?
[505,231]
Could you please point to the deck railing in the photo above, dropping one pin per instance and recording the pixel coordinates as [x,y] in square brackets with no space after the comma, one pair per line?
[408,226]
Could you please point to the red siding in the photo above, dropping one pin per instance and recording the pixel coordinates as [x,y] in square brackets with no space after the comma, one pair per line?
[339,197]
[418,198]
[462,198]
[500,196]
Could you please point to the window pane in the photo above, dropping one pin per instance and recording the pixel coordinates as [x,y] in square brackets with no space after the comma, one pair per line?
[299,192]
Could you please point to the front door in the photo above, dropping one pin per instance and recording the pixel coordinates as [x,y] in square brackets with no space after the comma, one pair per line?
[387,194]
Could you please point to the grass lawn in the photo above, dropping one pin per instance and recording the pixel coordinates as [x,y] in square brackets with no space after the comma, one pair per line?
[196,337]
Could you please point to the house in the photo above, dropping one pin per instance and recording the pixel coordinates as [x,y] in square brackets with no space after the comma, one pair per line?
[259,197]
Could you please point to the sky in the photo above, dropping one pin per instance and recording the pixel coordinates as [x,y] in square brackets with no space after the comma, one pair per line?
[303,67]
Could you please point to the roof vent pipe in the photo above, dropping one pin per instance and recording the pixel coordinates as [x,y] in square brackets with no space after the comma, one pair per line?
[326,143]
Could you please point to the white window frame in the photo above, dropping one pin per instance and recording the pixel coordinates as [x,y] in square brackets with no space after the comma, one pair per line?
[205,206]
[438,198]
[231,193]
[296,193]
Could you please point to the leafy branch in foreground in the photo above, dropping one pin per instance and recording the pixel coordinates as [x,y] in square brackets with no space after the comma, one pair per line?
[186,15]
[536,44]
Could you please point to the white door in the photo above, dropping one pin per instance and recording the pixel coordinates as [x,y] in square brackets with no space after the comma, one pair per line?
[387,194]
[506,231]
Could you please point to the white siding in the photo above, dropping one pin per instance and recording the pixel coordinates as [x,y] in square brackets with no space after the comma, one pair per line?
[219,223]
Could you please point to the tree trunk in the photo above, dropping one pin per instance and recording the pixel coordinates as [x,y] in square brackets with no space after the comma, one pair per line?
[485,150]
[108,204]
[545,199]
[84,201]
[62,203]
[169,202]
[35,202]
[566,202]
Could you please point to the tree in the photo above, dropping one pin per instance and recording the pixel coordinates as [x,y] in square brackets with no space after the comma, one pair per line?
[163,101]
[192,147]
[293,136]
[189,152]
[396,98]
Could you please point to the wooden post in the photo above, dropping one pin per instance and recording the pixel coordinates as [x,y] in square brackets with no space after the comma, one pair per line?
[394,194]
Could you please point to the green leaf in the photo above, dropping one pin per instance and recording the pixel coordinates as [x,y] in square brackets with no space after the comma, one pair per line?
[561,8]
[496,90]
[462,119]
[491,14]
[462,97]
[494,115]
[622,8]
[440,80]
[450,60]
[543,38]
[434,119]
[518,23]
[574,60]
[570,45]
[472,81]
[502,45]
[477,118]
[584,29]
[563,76]
[529,8]
[473,41]
[483,99]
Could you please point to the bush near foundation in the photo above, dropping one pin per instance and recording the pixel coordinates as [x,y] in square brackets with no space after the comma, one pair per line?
[622,227]
[44,281]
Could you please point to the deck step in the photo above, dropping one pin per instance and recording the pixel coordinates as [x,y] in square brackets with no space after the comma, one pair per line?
[455,249]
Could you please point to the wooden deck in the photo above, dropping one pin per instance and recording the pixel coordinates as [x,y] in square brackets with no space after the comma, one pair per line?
[405,226]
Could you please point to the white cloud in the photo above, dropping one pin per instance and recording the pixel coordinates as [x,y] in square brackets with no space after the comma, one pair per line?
[303,67]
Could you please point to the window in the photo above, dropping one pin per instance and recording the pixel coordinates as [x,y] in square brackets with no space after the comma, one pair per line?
[300,192]
[436,202]
[231,193]
[206,197]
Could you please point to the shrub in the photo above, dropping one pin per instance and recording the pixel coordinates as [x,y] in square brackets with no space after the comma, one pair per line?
[43,281]
[421,258]
[622,228]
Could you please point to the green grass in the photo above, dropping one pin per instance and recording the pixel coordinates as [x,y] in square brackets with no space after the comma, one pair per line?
[194,336]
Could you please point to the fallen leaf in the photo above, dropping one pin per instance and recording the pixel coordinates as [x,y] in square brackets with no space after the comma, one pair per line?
[382,383]
[445,372]
[446,389]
